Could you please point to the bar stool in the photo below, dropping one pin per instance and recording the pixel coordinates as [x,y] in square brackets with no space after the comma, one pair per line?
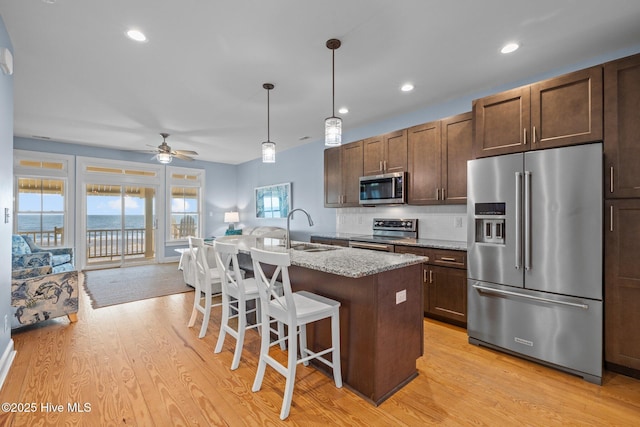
[296,310]
[236,292]
[204,278]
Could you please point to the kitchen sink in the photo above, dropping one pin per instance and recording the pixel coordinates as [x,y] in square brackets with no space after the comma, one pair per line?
[313,248]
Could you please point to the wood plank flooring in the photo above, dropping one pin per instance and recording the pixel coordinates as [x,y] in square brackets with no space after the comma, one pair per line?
[138,364]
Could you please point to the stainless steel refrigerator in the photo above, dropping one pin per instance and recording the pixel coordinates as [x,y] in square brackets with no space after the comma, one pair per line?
[535,256]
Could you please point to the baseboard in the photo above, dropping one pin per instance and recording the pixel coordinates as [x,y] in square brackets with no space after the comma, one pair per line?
[6,361]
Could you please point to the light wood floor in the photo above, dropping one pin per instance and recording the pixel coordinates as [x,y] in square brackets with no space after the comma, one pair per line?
[138,364]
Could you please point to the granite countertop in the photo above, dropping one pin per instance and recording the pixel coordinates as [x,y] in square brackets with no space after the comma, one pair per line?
[347,262]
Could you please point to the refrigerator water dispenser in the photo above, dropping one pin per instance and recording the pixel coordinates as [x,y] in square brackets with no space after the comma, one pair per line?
[490,223]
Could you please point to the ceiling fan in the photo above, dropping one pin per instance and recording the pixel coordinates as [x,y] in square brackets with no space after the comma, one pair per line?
[164,153]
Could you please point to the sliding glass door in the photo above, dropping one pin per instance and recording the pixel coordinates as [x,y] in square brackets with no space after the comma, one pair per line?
[120,224]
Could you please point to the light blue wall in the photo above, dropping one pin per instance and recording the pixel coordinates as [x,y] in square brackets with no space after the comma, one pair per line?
[6,197]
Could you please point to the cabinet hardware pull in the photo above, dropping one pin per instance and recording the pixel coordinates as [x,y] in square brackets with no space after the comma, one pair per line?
[534,134]
[424,276]
[443,194]
[380,167]
[385,165]
[524,136]
[448,259]
[611,179]
[611,218]
[437,194]
[430,276]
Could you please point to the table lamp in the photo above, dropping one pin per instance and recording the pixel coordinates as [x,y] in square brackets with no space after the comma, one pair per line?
[231,218]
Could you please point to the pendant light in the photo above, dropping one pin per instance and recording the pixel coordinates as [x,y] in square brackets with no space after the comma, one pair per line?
[333,124]
[268,147]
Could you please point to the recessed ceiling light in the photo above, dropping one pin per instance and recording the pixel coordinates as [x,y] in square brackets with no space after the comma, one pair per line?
[136,35]
[343,110]
[407,87]
[510,47]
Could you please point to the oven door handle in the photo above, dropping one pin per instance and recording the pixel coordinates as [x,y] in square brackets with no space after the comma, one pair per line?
[372,246]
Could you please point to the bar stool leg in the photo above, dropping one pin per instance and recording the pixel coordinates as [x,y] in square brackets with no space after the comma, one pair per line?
[335,354]
[292,363]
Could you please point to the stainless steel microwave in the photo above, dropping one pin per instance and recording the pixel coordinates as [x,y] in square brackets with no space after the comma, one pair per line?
[383,189]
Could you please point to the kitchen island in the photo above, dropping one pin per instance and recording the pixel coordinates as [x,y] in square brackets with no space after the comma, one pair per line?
[381,316]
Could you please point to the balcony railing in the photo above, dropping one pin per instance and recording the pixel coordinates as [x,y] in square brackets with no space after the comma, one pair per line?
[101,244]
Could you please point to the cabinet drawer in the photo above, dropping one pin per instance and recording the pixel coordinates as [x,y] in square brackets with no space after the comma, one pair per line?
[447,258]
[415,250]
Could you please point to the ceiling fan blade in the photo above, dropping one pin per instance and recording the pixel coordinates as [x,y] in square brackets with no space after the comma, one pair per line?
[182,156]
[186,152]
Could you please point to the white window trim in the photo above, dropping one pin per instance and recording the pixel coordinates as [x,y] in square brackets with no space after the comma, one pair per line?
[199,183]
[67,173]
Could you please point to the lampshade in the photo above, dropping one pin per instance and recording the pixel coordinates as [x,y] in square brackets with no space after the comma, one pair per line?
[164,158]
[332,131]
[231,217]
[268,152]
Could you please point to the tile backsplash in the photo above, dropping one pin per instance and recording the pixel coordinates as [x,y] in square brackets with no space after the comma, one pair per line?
[448,222]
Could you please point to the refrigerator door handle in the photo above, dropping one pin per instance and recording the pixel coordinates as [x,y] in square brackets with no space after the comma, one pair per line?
[518,239]
[518,294]
[527,220]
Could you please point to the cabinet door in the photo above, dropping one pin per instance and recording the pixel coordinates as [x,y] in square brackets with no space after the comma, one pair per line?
[622,127]
[395,144]
[622,283]
[447,293]
[502,123]
[373,155]
[457,140]
[332,177]
[351,172]
[567,110]
[424,164]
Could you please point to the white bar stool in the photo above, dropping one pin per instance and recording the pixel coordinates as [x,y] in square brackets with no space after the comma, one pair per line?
[296,310]
[204,278]
[236,292]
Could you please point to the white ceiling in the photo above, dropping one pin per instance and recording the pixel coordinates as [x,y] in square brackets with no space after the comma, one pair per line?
[199,76]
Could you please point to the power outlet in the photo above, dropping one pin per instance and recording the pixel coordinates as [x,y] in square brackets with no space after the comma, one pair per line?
[401,296]
[457,222]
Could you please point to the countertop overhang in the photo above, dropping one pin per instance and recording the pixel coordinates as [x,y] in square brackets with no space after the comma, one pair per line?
[347,262]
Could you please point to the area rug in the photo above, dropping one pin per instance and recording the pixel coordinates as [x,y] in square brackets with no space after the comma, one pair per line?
[121,285]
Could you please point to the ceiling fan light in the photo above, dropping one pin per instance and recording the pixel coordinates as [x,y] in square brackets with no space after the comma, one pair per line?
[164,158]
[332,131]
[268,152]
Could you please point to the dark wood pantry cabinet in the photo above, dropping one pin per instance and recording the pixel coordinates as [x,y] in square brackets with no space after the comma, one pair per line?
[622,286]
[564,110]
[622,127]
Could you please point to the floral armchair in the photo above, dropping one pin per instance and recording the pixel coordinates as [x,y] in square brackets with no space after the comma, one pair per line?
[44,283]
[29,259]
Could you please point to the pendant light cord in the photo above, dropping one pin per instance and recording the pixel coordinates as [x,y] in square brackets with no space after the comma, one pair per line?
[333,82]
[268,119]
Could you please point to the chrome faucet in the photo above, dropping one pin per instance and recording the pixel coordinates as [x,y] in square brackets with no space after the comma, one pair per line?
[287,238]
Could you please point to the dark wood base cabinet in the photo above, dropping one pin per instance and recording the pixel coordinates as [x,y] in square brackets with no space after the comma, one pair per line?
[622,286]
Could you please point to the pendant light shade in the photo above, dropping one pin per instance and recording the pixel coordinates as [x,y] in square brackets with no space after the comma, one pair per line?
[333,124]
[268,147]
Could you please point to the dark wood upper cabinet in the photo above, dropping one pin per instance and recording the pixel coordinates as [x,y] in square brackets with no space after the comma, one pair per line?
[342,168]
[425,164]
[457,146]
[567,110]
[622,286]
[437,165]
[622,127]
[561,111]
[502,122]
[385,153]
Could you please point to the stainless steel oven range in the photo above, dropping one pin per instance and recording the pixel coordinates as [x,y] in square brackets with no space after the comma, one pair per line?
[387,232]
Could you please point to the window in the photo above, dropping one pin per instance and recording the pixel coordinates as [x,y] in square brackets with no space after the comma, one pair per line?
[185,203]
[42,197]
